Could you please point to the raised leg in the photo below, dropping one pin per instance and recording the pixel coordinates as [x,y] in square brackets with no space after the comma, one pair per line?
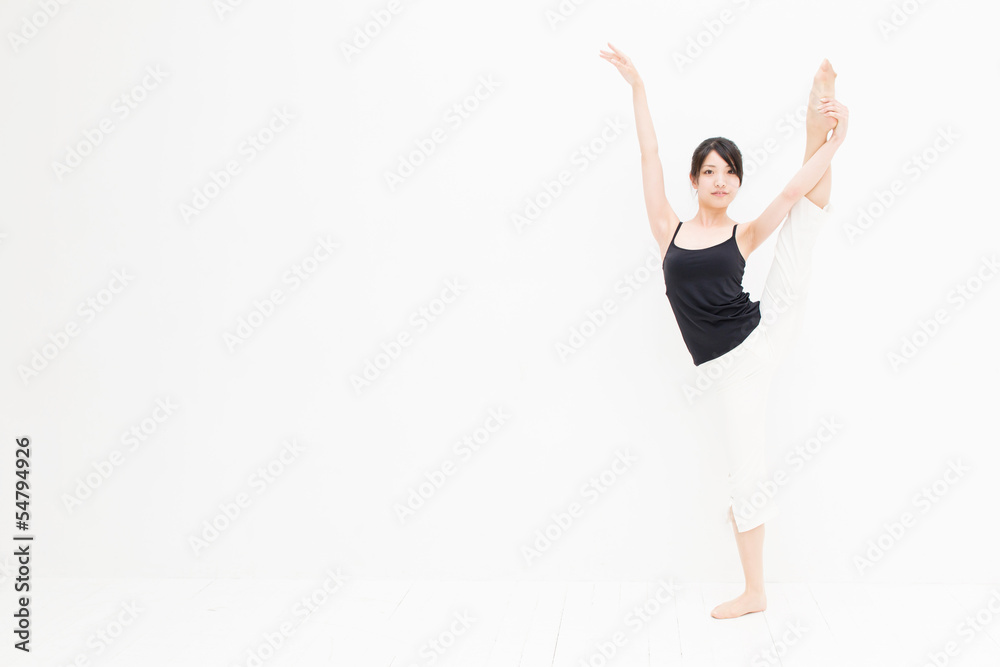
[817,128]
[782,300]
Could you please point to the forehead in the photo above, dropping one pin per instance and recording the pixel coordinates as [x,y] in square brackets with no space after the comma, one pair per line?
[713,159]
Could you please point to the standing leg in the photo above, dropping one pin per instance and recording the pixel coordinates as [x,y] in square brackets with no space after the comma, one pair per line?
[751,547]
[732,418]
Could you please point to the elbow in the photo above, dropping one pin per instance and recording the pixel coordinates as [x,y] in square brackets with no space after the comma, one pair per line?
[792,194]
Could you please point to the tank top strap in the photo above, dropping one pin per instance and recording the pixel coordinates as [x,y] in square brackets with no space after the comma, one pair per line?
[734,230]
[679,223]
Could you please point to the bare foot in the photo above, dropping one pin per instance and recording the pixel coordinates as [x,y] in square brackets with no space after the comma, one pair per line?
[822,87]
[744,604]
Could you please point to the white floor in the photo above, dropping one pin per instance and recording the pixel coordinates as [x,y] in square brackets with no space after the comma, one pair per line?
[229,622]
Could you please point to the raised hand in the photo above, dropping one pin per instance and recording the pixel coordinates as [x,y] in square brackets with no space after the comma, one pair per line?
[831,108]
[623,63]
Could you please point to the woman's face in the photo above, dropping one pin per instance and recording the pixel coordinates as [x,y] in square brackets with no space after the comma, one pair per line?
[716,176]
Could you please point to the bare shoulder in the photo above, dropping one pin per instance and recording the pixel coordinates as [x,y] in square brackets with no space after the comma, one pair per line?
[665,231]
[744,238]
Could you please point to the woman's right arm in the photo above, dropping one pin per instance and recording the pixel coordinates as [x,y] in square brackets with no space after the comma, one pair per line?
[662,219]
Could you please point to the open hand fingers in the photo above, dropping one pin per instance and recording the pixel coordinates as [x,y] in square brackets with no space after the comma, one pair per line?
[622,66]
[622,63]
[617,56]
[614,58]
[616,50]
[829,106]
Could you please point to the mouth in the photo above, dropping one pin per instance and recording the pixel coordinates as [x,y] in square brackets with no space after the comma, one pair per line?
[720,194]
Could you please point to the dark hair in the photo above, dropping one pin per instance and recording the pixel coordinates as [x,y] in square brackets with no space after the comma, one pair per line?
[724,147]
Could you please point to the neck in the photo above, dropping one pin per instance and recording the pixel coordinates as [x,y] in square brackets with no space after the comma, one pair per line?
[711,217]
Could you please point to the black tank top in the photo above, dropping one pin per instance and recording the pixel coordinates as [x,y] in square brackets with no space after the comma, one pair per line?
[705,289]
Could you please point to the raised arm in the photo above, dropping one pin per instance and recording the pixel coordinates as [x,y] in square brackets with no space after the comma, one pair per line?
[804,180]
[662,218]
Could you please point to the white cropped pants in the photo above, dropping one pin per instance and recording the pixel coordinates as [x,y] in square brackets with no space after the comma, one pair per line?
[731,405]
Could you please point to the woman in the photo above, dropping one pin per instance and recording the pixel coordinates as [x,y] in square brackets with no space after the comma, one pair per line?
[736,341]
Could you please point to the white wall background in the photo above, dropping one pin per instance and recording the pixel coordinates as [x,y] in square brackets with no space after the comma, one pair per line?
[495,346]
